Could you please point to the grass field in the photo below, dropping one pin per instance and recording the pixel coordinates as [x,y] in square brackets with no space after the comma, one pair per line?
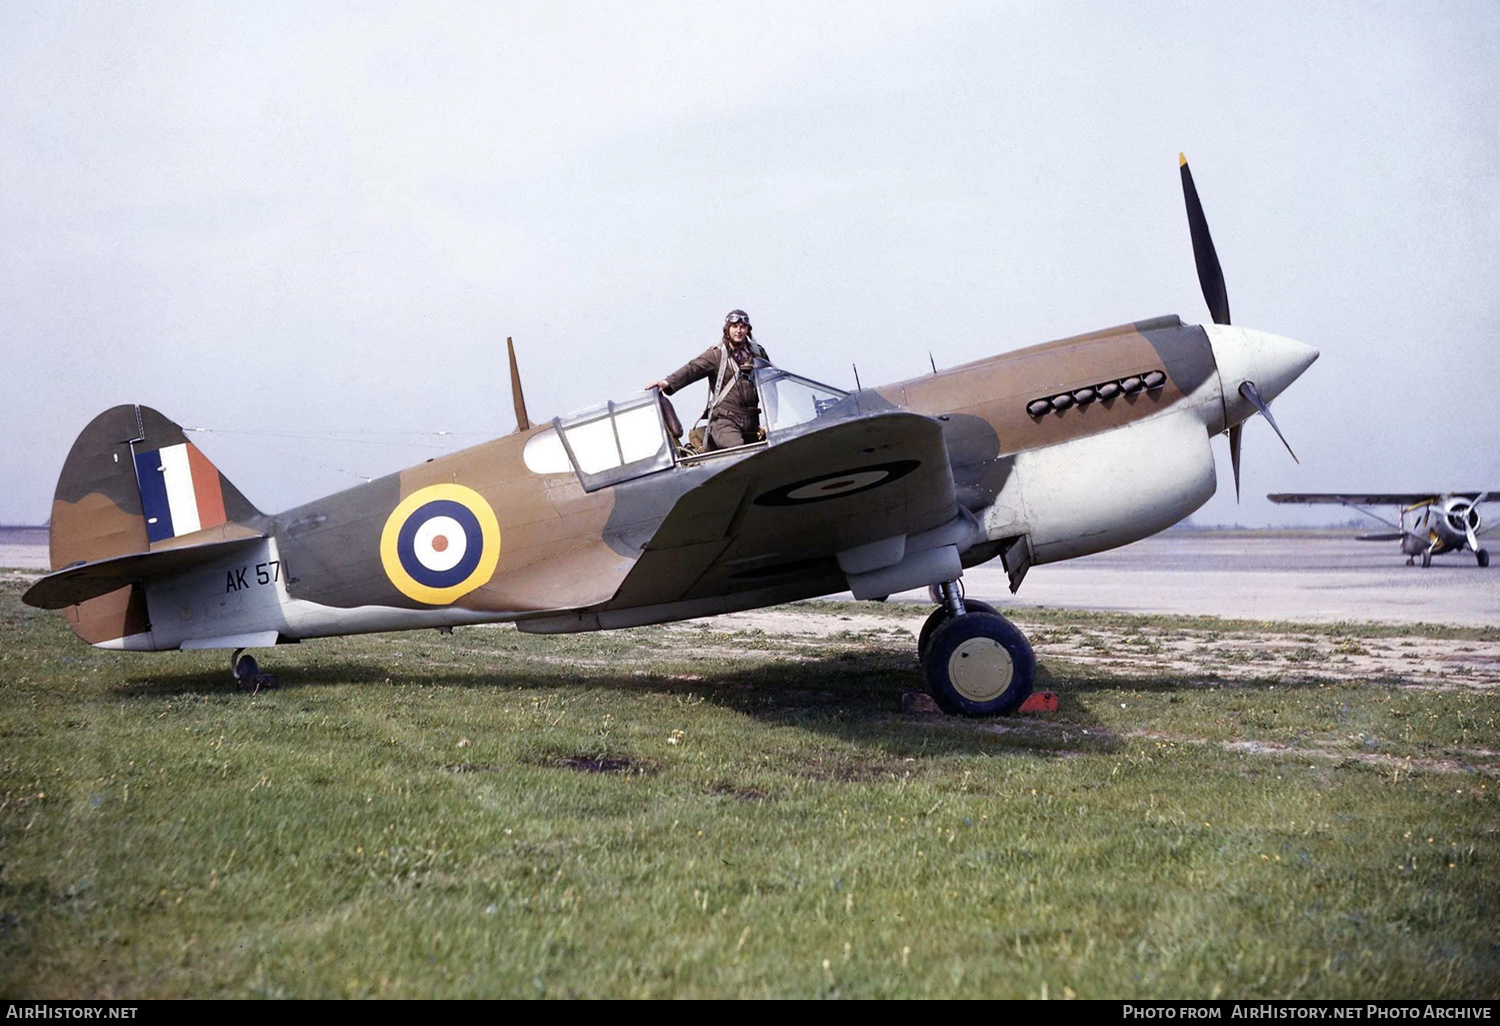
[737,808]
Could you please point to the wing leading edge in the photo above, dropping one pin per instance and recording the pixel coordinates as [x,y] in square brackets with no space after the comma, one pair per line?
[1371,498]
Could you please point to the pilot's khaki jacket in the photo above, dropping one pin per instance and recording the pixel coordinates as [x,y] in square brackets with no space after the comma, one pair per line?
[740,404]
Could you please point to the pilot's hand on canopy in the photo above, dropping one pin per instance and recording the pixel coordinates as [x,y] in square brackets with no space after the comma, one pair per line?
[662,384]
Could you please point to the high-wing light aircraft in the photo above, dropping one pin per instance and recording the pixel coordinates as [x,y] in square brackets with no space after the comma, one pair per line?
[1428,524]
[601,520]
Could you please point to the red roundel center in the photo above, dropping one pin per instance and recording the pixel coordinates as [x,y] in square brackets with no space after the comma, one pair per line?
[439,543]
[836,484]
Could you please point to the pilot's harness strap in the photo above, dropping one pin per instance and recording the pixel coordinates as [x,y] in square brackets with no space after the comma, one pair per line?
[729,373]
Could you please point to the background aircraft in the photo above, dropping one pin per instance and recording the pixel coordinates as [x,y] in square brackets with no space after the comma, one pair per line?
[1427,524]
[599,520]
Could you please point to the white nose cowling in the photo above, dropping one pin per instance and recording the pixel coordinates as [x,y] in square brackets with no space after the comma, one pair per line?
[1272,362]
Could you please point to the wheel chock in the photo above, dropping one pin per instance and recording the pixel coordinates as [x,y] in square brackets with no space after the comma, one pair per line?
[258,682]
[1038,702]
[919,702]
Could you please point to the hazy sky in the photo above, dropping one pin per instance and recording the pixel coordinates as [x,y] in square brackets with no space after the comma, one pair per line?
[311,227]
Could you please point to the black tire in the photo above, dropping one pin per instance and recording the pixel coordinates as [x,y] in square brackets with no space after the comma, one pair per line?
[1483,555]
[940,615]
[245,669]
[979,664]
[1426,559]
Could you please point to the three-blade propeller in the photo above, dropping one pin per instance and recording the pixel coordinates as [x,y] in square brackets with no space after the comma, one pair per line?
[1211,277]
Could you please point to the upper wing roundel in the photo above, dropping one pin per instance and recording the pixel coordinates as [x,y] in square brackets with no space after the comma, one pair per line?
[837,485]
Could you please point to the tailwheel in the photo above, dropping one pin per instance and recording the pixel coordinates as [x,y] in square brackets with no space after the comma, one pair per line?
[247,673]
[243,667]
[941,615]
[1483,555]
[979,664]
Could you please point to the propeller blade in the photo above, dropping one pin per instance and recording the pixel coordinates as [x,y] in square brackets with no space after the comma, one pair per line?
[1250,392]
[1469,524]
[1234,455]
[1210,274]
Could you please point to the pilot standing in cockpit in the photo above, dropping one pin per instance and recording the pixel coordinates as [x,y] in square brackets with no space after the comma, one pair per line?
[733,409]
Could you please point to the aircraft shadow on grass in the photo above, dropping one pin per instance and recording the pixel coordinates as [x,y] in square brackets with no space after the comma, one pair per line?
[854,698]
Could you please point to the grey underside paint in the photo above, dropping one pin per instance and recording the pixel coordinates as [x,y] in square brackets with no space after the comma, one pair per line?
[806,585]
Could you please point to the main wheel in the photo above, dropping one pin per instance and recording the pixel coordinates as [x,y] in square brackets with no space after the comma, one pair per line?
[979,664]
[1426,558]
[245,669]
[940,616]
[1483,555]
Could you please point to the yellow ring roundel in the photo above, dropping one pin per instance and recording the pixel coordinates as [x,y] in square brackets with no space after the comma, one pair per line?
[440,543]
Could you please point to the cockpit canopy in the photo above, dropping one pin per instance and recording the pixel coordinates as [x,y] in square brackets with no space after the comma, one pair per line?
[788,401]
[606,444]
[620,441]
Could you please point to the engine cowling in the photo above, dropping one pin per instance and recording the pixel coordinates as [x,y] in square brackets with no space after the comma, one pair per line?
[1114,488]
[1452,525]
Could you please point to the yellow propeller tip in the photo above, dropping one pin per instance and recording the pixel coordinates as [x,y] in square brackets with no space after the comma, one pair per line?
[1181,159]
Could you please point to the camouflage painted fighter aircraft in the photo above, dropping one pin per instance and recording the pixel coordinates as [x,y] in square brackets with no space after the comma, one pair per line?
[600,520]
[1448,522]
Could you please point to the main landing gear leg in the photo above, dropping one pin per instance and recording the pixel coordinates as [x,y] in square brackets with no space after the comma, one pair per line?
[947,595]
[952,593]
[975,661]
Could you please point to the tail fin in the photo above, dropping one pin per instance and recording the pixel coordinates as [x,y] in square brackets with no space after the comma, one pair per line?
[133,483]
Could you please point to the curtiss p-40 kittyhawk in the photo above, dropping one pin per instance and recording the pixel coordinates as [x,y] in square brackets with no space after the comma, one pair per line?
[601,519]
[1428,524]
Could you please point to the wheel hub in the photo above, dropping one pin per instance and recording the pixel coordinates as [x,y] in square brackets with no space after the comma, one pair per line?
[980,669]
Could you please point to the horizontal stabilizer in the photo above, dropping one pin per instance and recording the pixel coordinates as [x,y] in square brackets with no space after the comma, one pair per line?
[80,583]
[1385,536]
